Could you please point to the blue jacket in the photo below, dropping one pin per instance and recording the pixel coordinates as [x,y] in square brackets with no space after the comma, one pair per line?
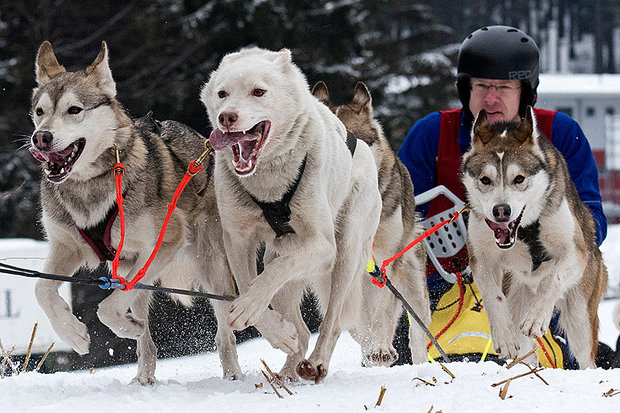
[419,154]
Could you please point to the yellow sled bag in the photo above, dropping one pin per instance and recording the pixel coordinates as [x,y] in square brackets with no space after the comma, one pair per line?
[469,336]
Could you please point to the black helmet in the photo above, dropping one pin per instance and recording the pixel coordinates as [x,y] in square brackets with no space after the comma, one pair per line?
[499,52]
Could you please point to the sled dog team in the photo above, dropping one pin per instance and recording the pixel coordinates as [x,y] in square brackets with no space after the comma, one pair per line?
[319,187]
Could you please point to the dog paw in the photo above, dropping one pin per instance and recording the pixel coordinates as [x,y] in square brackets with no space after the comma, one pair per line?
[506,344]
[526,347]
[74,333]
[230,365]
[380,357]
[280,333]
[233,374]
[143,379]
[535,324]
[310,371]
[123,325]
[246,310]
[288,375]
[81,341]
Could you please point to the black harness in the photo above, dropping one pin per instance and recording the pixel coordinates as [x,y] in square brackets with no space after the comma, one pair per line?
[351,142]
[530,235]
[278,213]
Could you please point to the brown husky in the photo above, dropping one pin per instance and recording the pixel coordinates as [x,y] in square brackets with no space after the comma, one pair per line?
[397,228]
[531,240]
[78,121]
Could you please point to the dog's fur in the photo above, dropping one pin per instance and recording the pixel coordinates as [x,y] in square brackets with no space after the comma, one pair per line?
[260,105]
[397,228]
[531,240]
[70,107]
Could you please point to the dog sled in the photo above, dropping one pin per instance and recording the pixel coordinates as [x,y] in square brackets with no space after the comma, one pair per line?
[451,238]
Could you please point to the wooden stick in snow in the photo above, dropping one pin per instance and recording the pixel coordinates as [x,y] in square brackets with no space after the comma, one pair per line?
[44,356]
[504,390]
[275,378]
[519,358]
[29,352]
[447,371]
[271,384]
[535,374]
[6,358]
[517,376]
[381,394]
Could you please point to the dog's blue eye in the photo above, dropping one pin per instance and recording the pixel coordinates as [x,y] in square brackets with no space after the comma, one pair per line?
[519,179]
[39,111]
[485,180]
[258,92]
[74,110]
[222,94]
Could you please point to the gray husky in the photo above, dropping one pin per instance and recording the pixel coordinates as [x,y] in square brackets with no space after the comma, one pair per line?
[285,177]
[531,240]
[397,228]
[78,122]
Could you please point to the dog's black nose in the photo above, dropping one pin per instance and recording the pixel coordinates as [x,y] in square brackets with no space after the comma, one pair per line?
[501,212]
[42,139]
[227,119]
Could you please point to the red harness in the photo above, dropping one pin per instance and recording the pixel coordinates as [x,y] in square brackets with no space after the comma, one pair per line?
[448,171]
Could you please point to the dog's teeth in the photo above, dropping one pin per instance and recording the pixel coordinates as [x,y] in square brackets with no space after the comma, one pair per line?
[47,171]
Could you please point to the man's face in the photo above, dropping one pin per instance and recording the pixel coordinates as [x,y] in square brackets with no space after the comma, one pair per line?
[500,98]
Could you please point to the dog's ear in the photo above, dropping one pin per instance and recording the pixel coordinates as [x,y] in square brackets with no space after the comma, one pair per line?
[284,57]
[481,131]
[100,71]
[362,95]
[47,66]
[320,92]
[526,132]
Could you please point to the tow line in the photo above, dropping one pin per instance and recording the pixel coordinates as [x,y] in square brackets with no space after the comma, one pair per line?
[106,283]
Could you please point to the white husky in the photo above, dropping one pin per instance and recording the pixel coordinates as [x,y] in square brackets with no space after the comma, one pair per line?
[285,177]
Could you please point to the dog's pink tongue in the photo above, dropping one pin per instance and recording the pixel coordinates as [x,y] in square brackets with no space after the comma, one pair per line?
[56,157]
[500,230]
[39,155]
[219,140]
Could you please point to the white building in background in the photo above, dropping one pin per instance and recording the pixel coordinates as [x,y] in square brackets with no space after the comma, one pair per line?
[594,102]
[19,309]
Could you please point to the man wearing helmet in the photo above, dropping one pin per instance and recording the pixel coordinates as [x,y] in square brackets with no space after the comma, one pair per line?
[498,69]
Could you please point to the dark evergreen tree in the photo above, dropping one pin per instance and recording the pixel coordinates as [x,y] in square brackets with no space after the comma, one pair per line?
[407,62]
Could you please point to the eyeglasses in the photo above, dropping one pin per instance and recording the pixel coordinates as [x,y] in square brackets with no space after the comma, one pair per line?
[482,88]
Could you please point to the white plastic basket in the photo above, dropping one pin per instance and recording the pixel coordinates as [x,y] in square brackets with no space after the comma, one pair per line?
[450,238]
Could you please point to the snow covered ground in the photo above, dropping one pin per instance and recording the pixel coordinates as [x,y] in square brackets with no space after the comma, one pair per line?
[194,383]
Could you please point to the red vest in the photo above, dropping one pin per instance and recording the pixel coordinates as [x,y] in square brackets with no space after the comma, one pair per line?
[448,170]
